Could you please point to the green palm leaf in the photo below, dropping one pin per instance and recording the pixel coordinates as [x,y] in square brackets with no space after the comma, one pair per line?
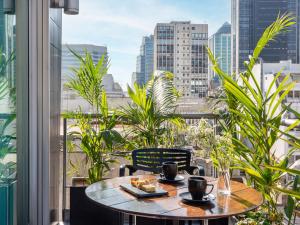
[87,79]
[152,110]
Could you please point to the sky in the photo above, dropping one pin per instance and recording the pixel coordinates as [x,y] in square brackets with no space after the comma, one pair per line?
[121,24]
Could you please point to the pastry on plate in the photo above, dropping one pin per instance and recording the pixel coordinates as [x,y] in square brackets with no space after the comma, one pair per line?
[133,181]
[148,188]
[141,182]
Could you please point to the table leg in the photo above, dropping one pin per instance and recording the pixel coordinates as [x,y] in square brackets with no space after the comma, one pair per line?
[132,220]
[205,222]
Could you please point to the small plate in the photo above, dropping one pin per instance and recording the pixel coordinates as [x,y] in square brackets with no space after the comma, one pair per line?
[177,179]
[186,197]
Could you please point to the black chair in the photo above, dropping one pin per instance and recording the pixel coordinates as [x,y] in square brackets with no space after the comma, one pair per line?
[151,160]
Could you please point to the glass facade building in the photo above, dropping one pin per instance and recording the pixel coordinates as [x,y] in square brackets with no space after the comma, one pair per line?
[220,44]
[144,62]
[250,18]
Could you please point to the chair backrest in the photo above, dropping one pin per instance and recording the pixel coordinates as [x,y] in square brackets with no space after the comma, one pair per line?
[151,159]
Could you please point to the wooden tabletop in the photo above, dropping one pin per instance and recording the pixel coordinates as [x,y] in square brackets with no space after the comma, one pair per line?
[109,194]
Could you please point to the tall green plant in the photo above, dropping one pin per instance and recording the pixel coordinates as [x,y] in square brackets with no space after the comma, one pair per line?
[152,109]
[99,138]
[257,118]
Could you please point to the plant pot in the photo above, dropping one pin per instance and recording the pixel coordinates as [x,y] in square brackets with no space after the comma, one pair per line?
[79,181]
[84,211]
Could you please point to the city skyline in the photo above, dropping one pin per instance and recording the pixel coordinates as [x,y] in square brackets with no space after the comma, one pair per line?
[122,33]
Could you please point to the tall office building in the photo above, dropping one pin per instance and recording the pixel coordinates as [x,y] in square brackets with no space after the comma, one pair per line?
[249,19]
[180,47]
[144,62]
[220,45]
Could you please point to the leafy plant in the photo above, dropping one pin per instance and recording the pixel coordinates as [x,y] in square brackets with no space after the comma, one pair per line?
[174,136]
[6,146]
[292,202]
[260,217]
[256,122]
[5,139]
[202,137]
[87,80]
[221,153]
[152,110]
[98,137]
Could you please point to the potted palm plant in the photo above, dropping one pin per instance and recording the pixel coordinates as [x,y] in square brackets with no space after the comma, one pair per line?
[255,117]
[97,135]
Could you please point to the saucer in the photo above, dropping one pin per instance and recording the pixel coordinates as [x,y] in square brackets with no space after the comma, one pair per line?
[186,197]
[177,179]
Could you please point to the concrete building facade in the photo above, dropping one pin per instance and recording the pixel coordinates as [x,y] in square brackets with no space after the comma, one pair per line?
[180,47]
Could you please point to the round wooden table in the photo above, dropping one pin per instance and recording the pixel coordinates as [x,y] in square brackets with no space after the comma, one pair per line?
[109,194]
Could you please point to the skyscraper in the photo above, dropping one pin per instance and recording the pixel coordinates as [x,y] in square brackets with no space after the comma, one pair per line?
[220,45]
[180,47]
[249,20]
[144,62]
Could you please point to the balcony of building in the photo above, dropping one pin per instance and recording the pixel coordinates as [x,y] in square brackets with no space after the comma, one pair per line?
[204,134]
